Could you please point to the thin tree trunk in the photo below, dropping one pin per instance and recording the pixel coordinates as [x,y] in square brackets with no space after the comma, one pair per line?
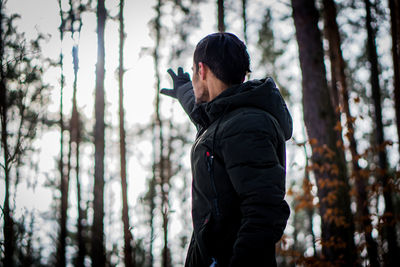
[129,261]
[64,197]
[152,195]
[221,16]
[339,84]
[98,251]
[8,227]
[394,6]
[165,258]
[27,261]
[75,133]
[61,245]
[309,210]
[393,256]
[80,230]
[244,17]
[64,204]
[167,169]
[328,161]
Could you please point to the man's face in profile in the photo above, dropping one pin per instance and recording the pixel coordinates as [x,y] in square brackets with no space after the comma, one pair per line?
[199,86]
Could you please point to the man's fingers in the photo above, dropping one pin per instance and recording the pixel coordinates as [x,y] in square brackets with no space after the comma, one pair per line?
[171,73]
[180,71]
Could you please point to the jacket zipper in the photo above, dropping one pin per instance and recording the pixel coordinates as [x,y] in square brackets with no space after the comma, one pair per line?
[210,167]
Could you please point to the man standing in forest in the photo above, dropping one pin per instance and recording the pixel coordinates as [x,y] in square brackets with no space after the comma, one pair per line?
[238,158]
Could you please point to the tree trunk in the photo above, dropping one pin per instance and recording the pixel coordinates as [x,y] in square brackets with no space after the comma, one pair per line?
[129,261]
[328,161]
[75,130]
[310,209]
[160,170]
[8,227]
[393,256]
[244,17]
[75,133]
[166,185]
[98,251]
[80,231]
[221,16]
[152,195]
[394,6]
[61,260]
[64,200]
[60,256]
[340,90]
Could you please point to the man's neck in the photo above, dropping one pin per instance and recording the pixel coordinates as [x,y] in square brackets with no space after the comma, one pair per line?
[215,87]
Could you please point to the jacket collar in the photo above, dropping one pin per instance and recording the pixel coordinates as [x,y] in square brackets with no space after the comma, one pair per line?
[261,94]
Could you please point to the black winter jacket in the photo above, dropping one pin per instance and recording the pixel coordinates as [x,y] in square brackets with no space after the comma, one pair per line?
[238,167]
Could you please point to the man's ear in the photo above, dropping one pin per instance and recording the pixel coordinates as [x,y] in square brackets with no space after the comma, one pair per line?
[203,69]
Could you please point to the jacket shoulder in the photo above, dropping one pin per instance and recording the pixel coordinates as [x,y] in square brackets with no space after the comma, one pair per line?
[248,120]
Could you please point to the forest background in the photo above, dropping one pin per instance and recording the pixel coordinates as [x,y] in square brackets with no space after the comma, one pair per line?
[95,163]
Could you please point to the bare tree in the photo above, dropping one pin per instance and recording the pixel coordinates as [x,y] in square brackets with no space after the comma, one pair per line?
[8,220]
[128,240]
[98,251]
[161,175]
[393,255]
[221,16]
[75,127]
[341,96]
[23,98]
[64,181]
[244,18]
[327,159]
[394,6]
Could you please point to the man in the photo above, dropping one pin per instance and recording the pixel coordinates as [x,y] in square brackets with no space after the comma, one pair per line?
[238,158]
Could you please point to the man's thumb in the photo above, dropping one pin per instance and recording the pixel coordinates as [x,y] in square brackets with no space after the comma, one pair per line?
[168,92]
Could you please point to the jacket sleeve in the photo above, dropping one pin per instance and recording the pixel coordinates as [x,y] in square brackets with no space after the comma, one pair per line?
[186,98]
[249,150]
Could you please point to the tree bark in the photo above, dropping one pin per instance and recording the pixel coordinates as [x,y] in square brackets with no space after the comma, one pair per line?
[98,251]
[328,161]
[394,6]
[128,251]
[340,91]
[221,16]
[393,257]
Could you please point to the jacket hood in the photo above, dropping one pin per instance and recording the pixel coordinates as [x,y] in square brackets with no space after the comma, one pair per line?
[262,94]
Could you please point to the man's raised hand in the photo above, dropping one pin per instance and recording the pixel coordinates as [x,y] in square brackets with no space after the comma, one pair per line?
[178,80]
